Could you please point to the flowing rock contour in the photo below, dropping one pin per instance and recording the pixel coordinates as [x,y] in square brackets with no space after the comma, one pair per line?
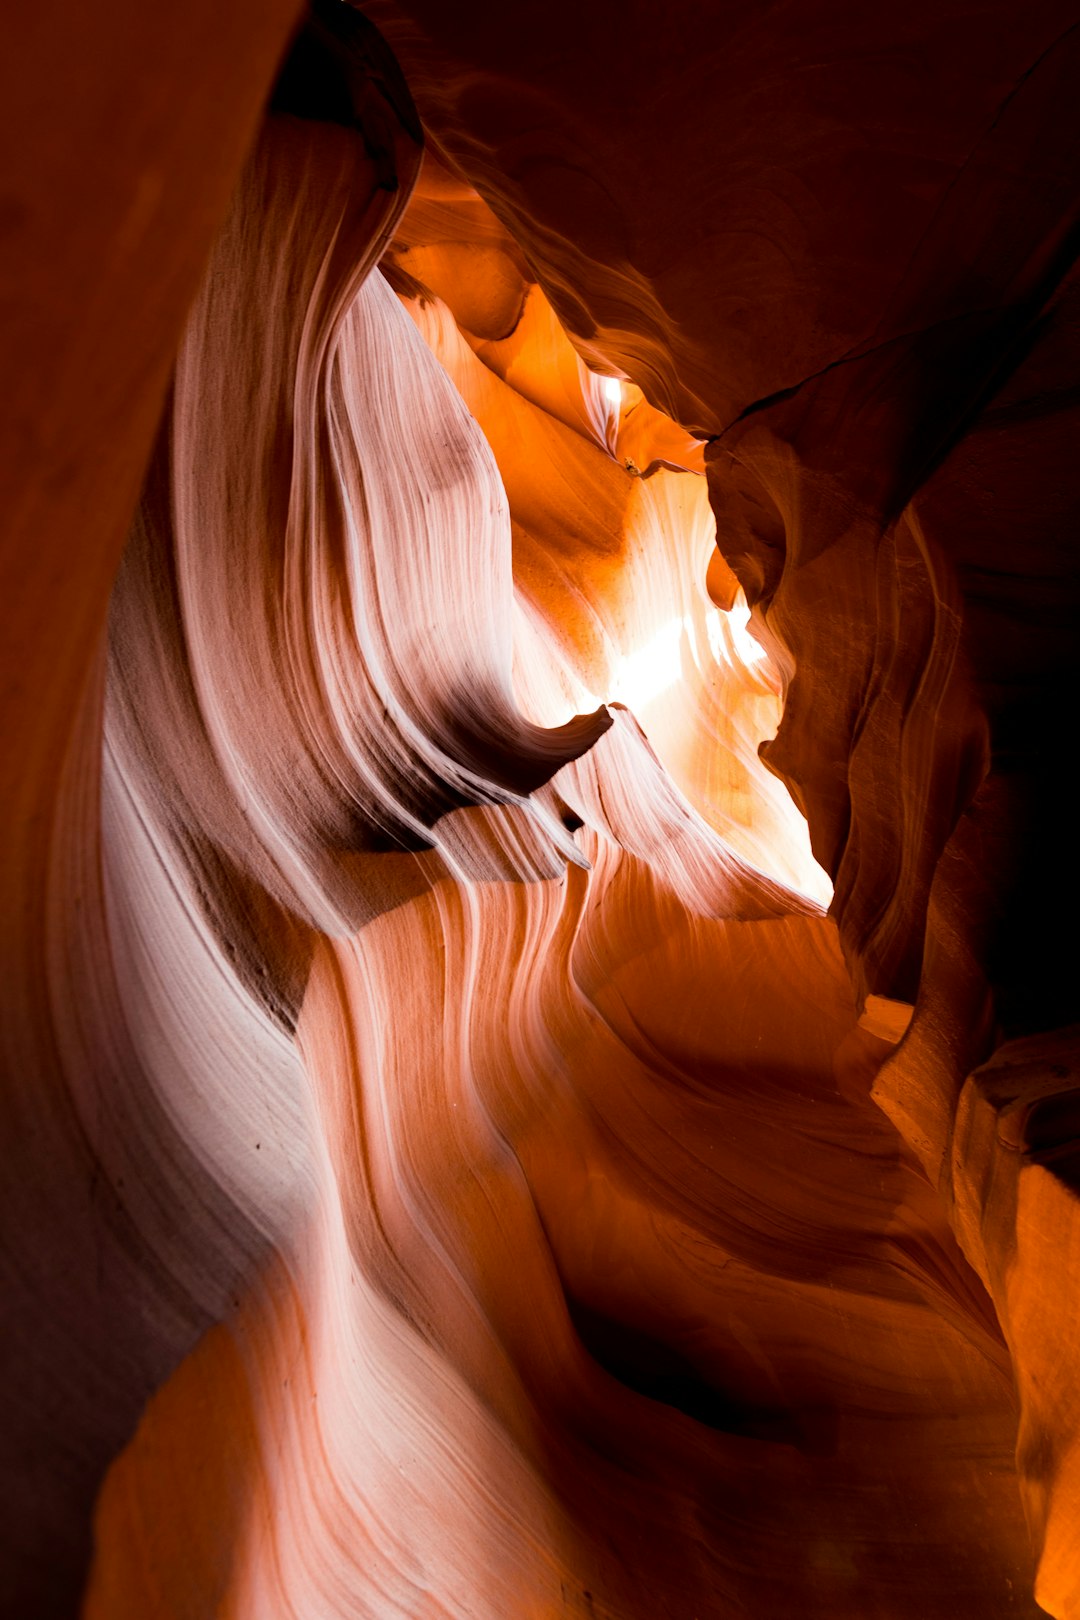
[539,1060]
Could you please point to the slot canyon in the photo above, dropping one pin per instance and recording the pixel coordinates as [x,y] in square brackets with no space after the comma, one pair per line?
[540,583]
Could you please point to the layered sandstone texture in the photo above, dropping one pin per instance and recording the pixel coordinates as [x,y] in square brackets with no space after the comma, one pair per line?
[539,1025]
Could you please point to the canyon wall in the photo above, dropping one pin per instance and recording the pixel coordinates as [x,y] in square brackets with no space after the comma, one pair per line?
[539,591]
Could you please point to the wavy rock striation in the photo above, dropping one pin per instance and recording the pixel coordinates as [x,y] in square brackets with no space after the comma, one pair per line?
[466,1156]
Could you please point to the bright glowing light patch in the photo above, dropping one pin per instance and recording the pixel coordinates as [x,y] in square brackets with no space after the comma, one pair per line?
[611,388]
[714,629]
[651,670]
[749,650]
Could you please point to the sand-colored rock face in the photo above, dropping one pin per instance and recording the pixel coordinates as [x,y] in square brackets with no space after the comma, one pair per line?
[480,1139]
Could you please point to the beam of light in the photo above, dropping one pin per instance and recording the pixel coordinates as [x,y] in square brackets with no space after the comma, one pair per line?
[641,676]
[749,650]
[644,674]
[611,388]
